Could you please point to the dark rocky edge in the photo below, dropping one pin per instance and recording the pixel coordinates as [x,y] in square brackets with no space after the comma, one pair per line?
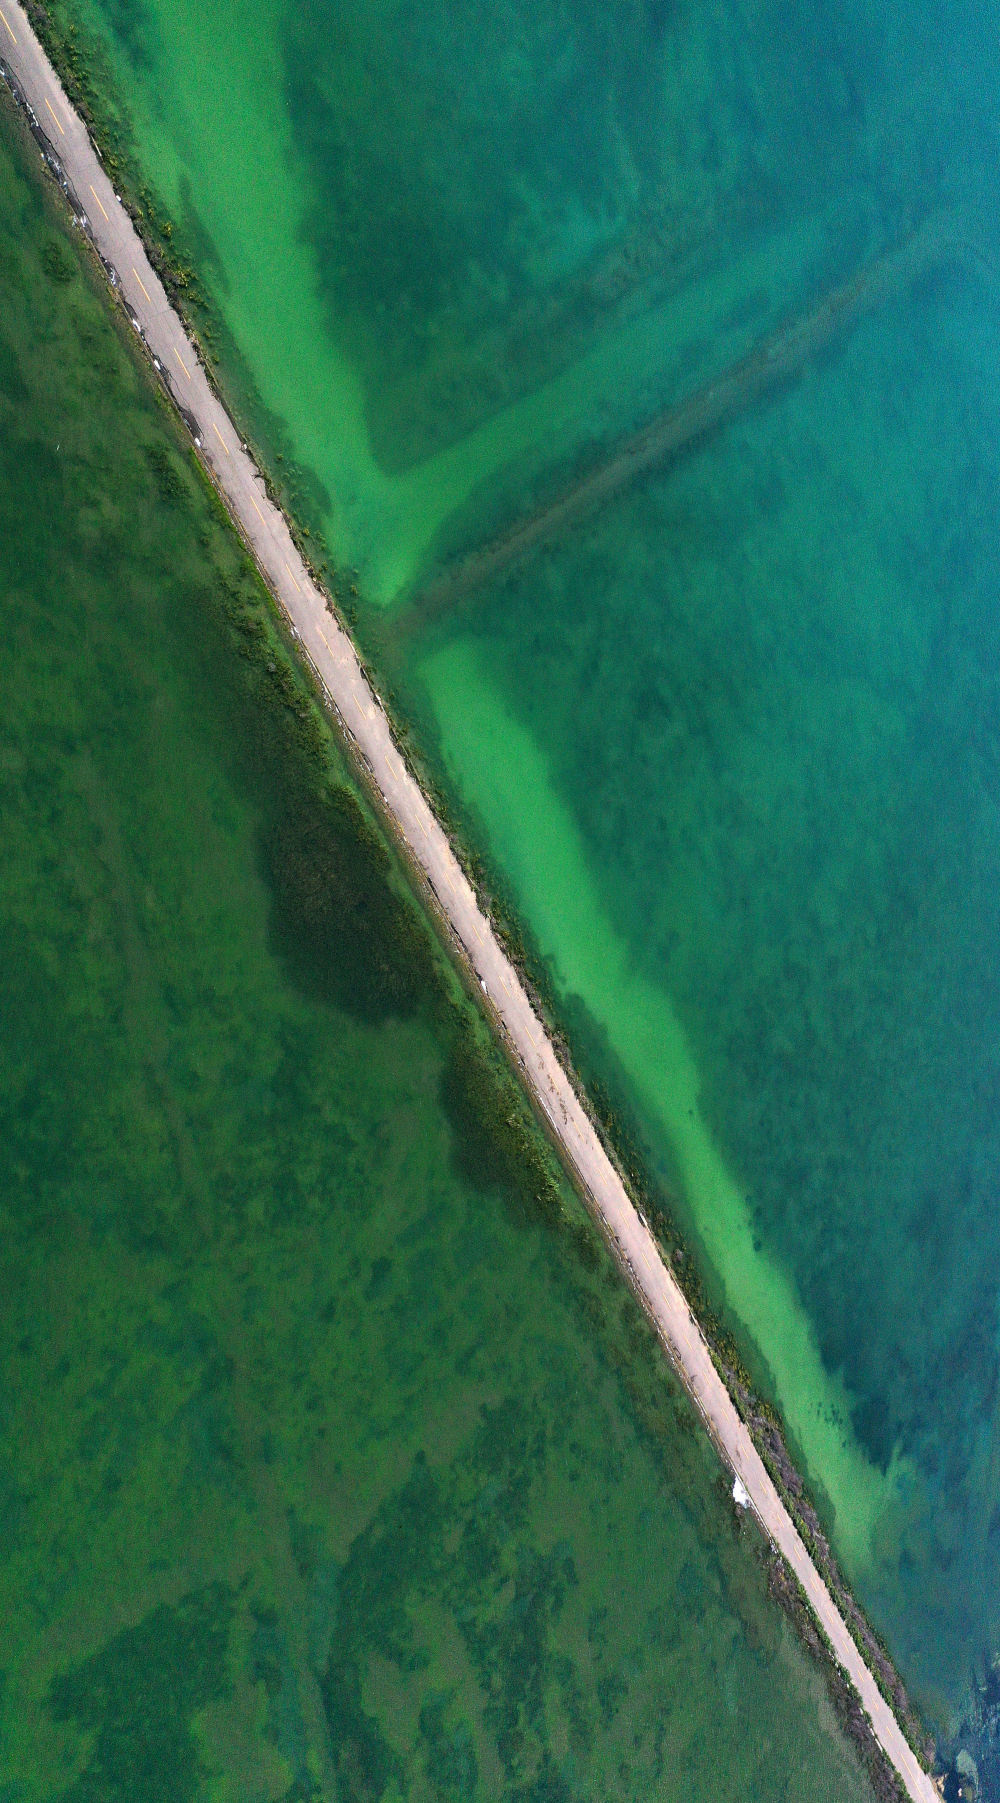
[788,1594]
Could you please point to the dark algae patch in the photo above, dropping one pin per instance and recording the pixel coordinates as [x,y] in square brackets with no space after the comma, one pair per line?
[137,1697]
[337,923]
[327,1469]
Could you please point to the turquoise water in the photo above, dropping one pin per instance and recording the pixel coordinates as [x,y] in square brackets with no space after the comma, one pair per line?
[731,746]
[783,921]
[334,1461]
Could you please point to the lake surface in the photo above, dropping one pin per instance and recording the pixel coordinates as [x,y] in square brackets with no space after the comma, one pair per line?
[334,1460]
[731,748]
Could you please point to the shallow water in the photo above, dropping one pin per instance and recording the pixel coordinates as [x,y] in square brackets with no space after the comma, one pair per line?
[333,1458]
[787,933]
[754,702]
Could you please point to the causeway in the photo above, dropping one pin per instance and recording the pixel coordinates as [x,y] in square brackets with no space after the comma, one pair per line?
[75,162]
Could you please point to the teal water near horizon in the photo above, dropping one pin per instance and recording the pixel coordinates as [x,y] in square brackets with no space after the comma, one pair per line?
[731,746]
[335,1462]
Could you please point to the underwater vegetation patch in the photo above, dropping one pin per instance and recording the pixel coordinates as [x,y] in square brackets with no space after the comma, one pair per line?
[136,1699]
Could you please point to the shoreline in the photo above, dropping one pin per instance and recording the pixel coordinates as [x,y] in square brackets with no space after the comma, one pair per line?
[345,687]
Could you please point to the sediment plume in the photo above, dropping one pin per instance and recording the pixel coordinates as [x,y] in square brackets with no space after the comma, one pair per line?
[783,354]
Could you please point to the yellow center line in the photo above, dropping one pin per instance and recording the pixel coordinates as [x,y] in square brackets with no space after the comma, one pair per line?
[6,21]
[222,442]
[291,573]
[99,201]
[141,283]
[52,110]
[357,704]
[260,516]
[177,354]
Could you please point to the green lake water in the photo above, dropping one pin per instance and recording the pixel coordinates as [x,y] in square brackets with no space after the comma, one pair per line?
[335,1462]
[731,748]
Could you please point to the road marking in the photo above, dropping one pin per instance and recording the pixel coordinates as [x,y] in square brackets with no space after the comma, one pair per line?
[99,201]
[6,21]
[51,108]
[141,283]
[358,705]
[260,516]
[222,441]
[177,354]
[291,573]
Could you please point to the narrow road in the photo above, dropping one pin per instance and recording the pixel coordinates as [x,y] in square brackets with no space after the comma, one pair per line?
[336,663]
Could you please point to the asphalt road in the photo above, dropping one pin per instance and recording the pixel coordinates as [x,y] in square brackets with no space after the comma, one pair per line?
[336,663]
